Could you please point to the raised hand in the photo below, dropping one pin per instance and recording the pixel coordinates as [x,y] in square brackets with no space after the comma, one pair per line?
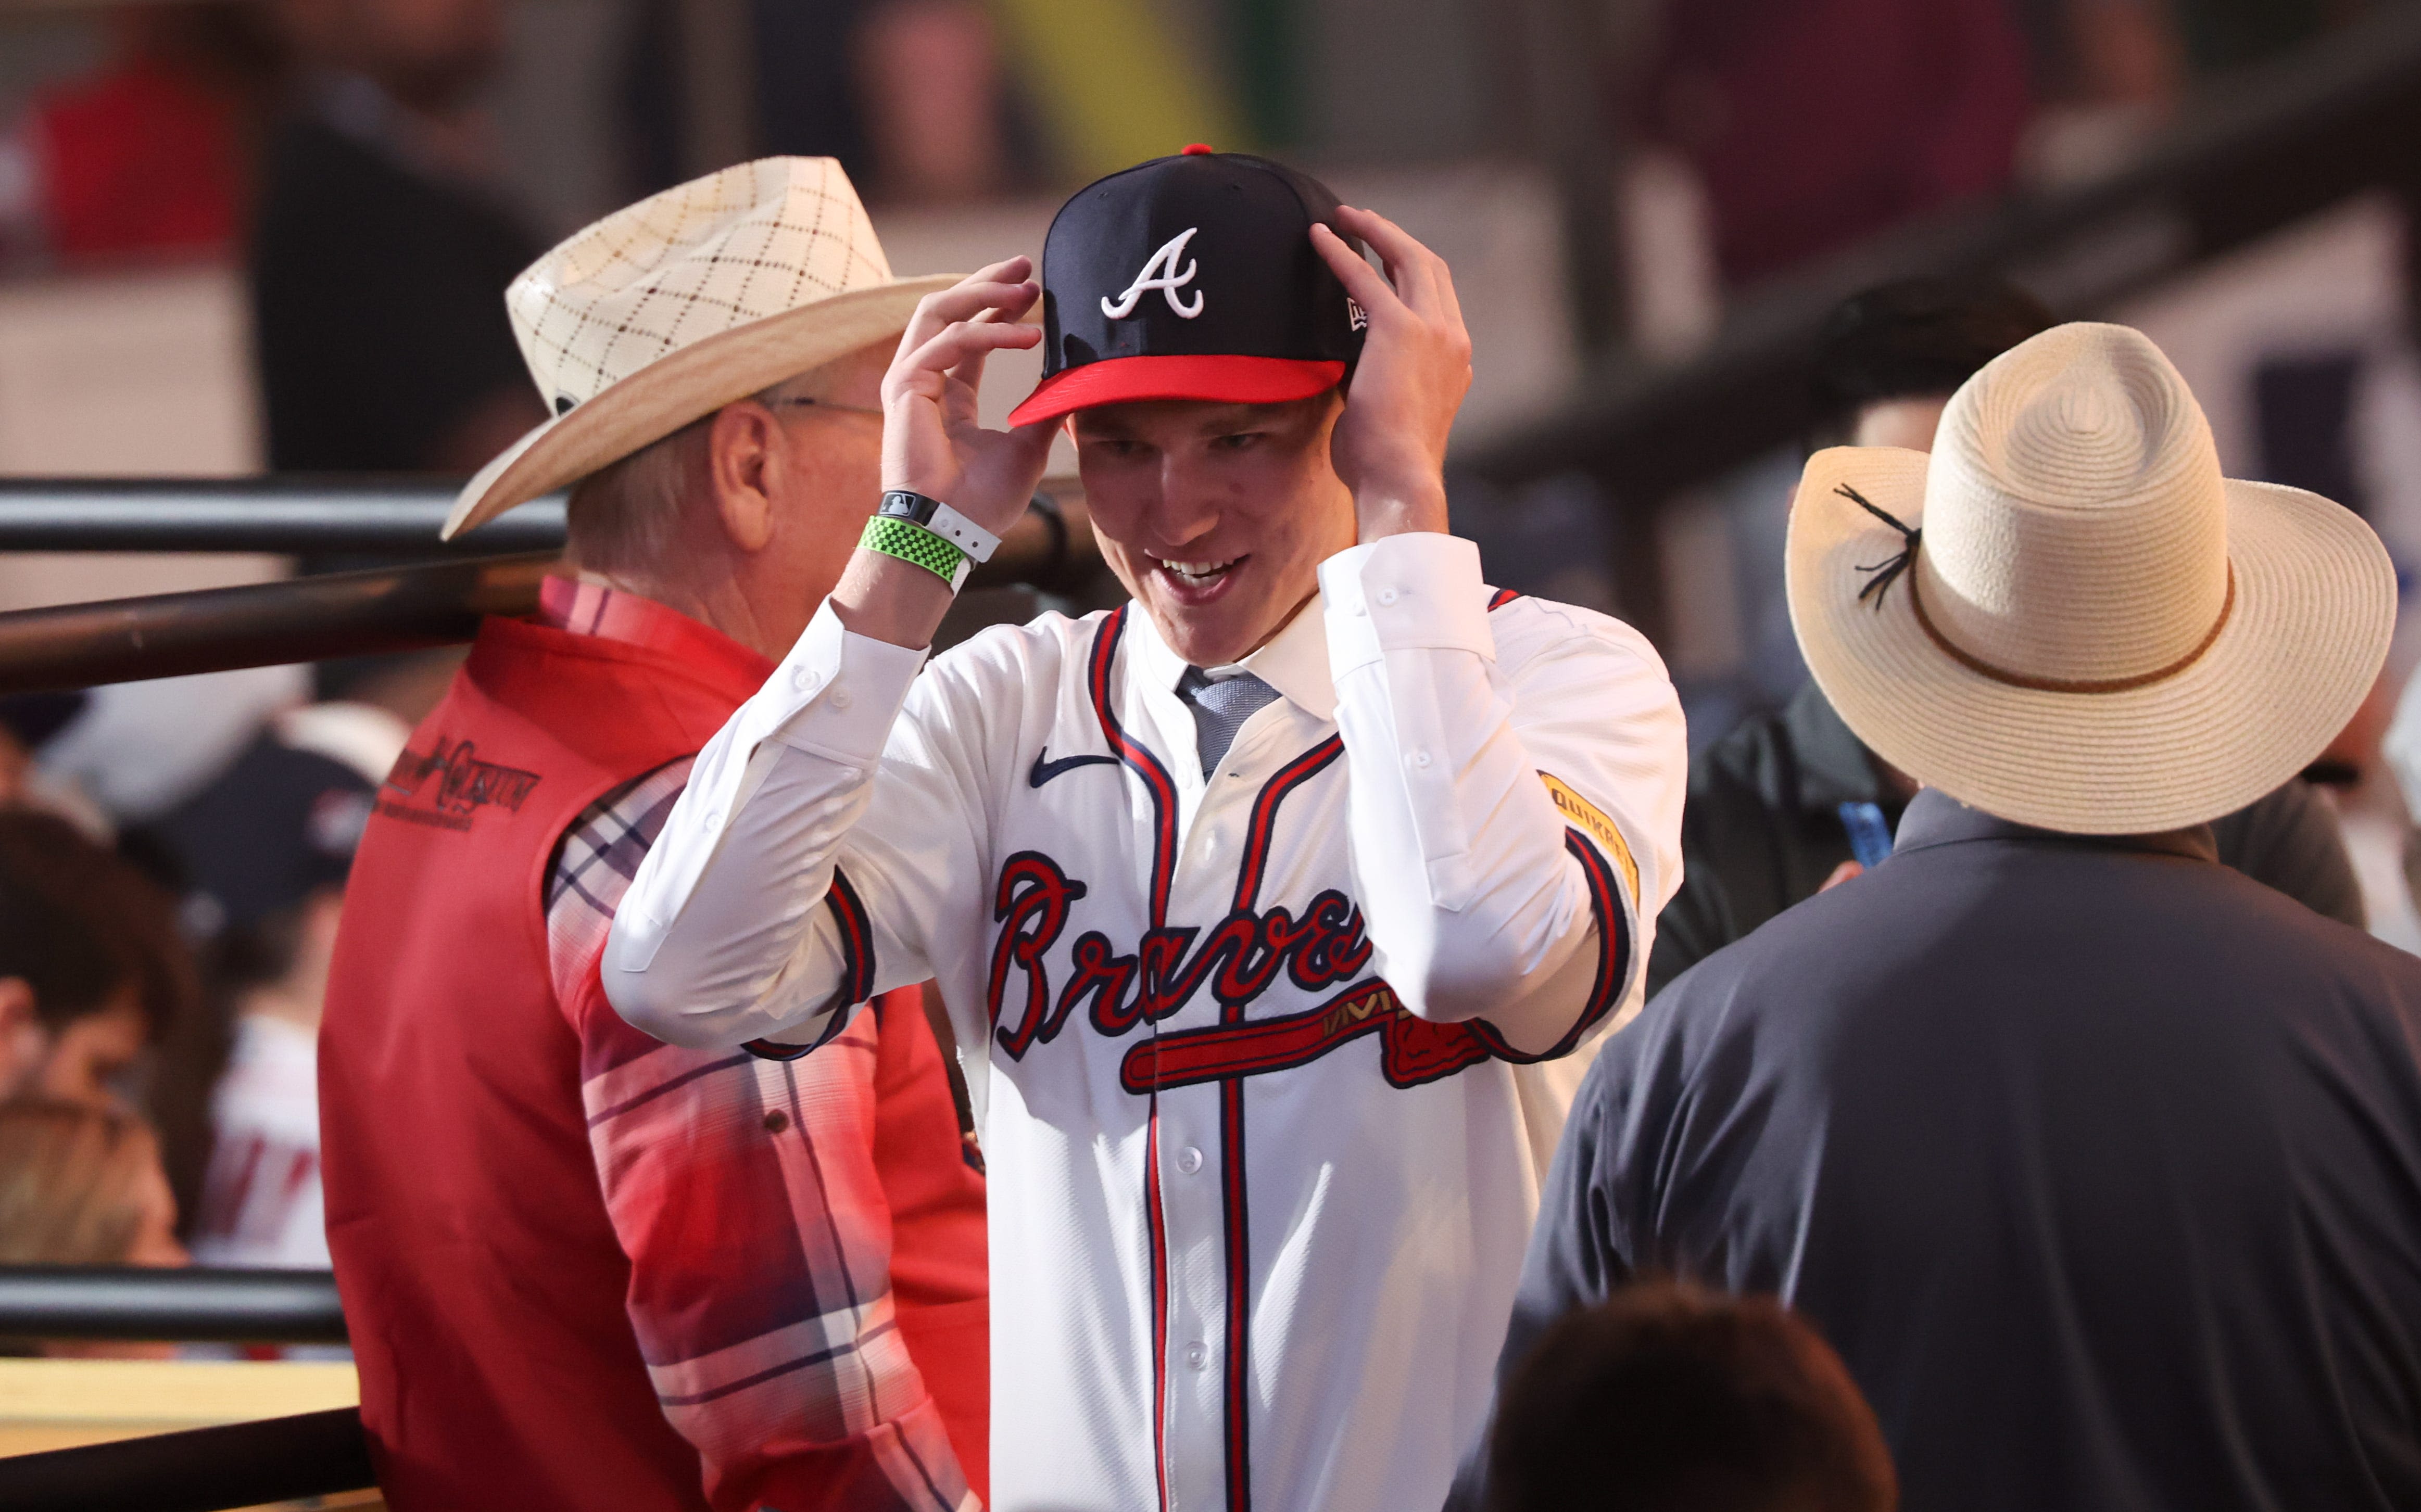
[931,442]
[1389,445]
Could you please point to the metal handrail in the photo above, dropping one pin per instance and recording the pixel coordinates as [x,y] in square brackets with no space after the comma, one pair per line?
[200,1470]
[333,614]
[286,513]
[262,624]
[185,1305]
[389,516]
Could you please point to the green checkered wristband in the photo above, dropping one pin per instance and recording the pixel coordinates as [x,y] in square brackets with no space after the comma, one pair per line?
[914,543]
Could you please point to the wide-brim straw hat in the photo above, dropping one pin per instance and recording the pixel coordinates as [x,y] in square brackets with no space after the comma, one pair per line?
[2083,626]
[685,302]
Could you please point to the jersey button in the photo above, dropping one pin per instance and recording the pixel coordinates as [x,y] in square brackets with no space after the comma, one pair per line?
[840,697]
[1197,1356]
[803,679]
[1386,597]
[1189,1160]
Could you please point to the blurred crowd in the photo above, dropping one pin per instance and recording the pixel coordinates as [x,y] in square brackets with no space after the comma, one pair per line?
[287,130]
[161,987]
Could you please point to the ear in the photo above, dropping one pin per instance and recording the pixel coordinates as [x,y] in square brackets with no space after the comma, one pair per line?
[744,448]
[22,1042]
[16,1004]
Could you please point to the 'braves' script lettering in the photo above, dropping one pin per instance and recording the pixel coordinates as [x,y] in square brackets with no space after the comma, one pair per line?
[1237,957]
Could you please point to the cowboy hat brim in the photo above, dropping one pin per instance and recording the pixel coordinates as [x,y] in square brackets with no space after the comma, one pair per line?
[676,389]
[2314,607]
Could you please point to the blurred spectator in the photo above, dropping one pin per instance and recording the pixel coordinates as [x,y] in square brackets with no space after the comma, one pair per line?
[912,96]
[81,1185]
[1791,802]
[108,936]
[153,153]
[1817,122]
[380,255]
[929,73]
[65,973]
[1667,1399]
[264,852]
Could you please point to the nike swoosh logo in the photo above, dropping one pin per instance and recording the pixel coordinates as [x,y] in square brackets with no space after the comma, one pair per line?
[1045,770]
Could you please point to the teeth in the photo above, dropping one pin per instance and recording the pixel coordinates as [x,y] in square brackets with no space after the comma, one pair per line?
[1199,570]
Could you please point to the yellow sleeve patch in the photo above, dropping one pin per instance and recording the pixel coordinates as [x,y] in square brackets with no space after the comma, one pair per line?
[1590,820]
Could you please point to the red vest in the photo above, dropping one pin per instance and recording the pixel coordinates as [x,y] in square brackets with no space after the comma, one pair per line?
[481,1277]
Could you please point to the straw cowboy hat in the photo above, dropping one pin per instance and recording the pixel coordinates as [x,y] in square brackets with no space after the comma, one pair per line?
[2065,617]
[684,302]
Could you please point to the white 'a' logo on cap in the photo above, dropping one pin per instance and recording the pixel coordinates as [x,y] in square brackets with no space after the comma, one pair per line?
[1161,274]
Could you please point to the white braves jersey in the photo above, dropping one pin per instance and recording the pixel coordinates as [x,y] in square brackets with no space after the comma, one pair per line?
[1269,1064]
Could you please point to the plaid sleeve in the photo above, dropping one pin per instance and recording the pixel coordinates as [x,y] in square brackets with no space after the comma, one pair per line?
[743,1191]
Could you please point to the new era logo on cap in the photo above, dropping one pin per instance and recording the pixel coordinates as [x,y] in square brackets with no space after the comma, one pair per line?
[1192,277]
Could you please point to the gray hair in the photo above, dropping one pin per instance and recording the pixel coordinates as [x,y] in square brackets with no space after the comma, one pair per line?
[622,518]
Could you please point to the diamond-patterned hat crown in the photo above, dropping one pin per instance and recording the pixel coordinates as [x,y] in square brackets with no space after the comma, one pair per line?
[711,254]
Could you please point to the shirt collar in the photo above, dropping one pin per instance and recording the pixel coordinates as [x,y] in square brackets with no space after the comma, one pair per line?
[583,606]
[1934,818]
[1294,661]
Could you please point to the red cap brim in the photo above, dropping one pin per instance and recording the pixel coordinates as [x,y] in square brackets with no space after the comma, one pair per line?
[1215,380]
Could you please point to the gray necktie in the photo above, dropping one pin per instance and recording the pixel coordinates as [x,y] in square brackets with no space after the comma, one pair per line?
[1220,709]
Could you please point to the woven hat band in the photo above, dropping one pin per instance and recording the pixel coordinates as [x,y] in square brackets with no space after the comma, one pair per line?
[2084,685]
[2075,521]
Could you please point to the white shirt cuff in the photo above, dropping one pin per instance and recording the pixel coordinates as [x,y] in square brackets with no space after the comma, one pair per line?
[838,692]
[1419,590]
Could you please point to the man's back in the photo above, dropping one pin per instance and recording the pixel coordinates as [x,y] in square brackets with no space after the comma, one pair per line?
[2100,1164]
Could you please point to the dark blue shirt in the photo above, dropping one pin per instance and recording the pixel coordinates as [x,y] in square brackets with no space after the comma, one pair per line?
[2099,1163]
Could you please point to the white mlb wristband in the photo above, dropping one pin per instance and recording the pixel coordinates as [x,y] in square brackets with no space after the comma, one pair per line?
[943,520]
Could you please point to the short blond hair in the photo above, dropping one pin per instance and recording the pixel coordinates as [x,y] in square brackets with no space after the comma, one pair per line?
[72,1183]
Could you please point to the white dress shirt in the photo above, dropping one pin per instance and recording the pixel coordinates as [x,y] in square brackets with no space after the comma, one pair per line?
[1272,1060]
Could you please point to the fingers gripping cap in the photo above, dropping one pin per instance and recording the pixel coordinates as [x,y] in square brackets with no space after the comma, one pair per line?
[1192,277]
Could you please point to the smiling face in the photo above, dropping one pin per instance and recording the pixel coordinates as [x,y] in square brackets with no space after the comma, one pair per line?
[1217,517]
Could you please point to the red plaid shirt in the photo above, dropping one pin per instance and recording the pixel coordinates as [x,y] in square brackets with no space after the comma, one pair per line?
[761,1269]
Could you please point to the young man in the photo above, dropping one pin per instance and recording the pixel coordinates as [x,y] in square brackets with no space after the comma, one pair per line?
[583,1268]
[2093,1156]
[1789,801]
[1257,903]
[73,1010]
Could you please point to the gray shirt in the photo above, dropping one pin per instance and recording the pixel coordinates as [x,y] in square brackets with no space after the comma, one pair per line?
[2100,1164]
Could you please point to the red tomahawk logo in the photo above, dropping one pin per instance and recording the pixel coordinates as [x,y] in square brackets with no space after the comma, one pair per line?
[1411,1049]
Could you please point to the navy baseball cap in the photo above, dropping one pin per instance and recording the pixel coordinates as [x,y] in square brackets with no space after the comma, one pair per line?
[1192,277]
